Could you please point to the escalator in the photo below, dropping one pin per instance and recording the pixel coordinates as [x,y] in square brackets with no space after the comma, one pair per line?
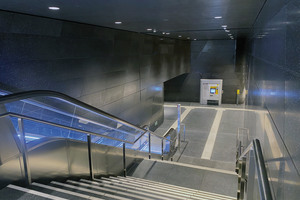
[47,135]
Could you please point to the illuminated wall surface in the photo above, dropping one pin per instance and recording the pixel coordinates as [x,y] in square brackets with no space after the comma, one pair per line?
[274,73]
[117,71]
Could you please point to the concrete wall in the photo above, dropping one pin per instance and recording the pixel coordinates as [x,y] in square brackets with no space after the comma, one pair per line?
[213,59]
[118,71]
[274,84]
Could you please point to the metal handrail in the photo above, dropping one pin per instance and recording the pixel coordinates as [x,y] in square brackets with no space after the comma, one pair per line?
[47,93]
[263,182]
[246,151]
[62,126]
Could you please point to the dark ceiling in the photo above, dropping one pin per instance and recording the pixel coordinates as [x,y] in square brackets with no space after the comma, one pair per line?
[190,19]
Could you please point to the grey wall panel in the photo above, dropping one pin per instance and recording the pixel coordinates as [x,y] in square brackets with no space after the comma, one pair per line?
[274,82]
[100,66]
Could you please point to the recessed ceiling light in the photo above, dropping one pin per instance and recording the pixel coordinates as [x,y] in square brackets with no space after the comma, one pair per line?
[179,36]
[118,22]
[224,26]
[53,8]
[161,39]
[195,39]
[188,38]
[218,17]
[163,33]
[149,29]
[154,30]
[227,31]
[167,33]
[229,34]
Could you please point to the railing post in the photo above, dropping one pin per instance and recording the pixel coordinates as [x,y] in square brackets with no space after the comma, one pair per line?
[149,145]
[124,159]
[241,179]
[183,132]
[178,123]
[162,149]
[24,152]
[89,142]
[251,176]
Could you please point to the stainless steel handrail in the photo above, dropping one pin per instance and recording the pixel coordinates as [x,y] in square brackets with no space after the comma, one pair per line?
[47,93]
[263,182]
[62,126]
[244,153]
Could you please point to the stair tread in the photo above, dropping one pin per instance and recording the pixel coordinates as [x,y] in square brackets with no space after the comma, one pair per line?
[61,192]
[21,193]
[179,187]
[171,187]
[172,195]
[121,188]
[102,195]
[147,193]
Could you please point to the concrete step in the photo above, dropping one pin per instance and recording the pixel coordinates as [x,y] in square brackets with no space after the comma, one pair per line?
[201,178]
[151,189]
[118,188]
[171,188]
[64,193]
[98,194]
[147,193]
[112,190]
[16,192]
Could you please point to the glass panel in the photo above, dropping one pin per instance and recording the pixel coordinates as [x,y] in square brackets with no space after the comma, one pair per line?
[156,144]
[35,131]
[68,114]
[141,145]
[167,144]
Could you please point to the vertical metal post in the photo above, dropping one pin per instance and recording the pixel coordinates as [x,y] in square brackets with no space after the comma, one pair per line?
[178,117]
[149,145]
[240,148]
[124,159]
[24,152]
[251,176]
[183,132]
[241,179]
[178,123]
[89,142]
[162,149]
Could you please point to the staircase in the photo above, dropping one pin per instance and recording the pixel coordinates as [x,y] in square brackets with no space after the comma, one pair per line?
[107,188]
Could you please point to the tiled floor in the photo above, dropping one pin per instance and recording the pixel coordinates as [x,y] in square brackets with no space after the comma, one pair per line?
[198,124]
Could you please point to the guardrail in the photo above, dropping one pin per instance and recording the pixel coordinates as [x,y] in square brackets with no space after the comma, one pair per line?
[256,164]
[44,93]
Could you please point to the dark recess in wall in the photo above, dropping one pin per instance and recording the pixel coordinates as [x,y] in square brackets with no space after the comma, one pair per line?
[183,88]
